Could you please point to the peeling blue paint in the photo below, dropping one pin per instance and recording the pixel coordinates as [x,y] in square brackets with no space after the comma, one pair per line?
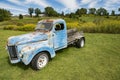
[27,38]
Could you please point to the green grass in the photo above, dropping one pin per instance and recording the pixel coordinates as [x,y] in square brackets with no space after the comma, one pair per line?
[88,19]
[98,60]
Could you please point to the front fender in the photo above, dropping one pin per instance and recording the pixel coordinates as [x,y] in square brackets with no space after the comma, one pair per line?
[27,58]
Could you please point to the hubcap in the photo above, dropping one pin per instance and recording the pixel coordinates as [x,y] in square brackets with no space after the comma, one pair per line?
[82,43]
[42,61]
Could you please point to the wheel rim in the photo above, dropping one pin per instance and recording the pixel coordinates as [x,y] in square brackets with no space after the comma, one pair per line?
[82,43]
[42,61]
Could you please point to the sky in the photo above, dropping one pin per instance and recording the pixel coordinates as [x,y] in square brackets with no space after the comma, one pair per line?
[17,7]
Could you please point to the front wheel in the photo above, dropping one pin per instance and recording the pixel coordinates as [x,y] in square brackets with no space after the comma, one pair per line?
[80,43]
[40,61]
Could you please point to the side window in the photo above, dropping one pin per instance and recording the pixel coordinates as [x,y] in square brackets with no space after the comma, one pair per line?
[59,26]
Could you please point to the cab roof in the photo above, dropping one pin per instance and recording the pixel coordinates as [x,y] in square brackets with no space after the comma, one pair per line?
[51,20]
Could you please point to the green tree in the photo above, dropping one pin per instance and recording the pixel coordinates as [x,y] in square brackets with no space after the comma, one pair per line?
[107,14]
[49,11]
[67,15]
[101,12]
[78,12]
[81,11]
[72,15]
[92,11]
[30,11]
[20,16]
[113,13]
[118,9]
[1,18]
[62,14]
[5,14]
[37,12]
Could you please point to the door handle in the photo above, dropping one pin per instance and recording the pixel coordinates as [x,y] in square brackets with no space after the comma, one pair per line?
[52,34]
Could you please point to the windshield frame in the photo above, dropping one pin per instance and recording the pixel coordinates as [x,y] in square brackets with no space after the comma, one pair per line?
[39,24]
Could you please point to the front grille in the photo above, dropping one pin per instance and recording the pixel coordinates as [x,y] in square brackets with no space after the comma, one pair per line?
[13,52]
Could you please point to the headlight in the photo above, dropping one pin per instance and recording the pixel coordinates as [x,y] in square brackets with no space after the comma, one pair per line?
[27,49]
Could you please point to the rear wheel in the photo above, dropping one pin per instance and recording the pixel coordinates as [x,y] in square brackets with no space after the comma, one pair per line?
[40,61]
[80,43]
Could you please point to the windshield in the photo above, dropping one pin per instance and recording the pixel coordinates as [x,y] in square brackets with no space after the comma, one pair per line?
[44,26]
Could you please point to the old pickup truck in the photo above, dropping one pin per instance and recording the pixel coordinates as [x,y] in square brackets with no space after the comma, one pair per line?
[39,47]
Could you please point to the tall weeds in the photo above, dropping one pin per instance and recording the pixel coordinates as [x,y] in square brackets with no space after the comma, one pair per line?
[97,26]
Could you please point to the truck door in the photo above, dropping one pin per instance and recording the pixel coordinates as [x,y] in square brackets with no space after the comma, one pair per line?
[60,36]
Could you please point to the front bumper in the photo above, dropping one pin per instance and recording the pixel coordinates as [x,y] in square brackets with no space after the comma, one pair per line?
[15,61]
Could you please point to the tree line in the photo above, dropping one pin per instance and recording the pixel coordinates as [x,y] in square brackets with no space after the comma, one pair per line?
[49,11]
[4,14]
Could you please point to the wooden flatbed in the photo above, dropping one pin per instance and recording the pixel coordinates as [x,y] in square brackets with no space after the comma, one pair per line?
[73,35]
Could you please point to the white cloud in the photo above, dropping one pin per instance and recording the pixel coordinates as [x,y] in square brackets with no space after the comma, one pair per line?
[15,2]
[10,7]
[113,2]
[26,3]
[65,10]
[108,4]
[13,8]
[92,4]
[86,1]
[42,3]
[70,4]
[112,5]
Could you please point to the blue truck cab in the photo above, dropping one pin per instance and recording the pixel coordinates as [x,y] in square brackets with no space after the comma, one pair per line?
[39,47]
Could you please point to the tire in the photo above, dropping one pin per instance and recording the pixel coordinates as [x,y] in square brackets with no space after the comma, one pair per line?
[40,61]
[80,43]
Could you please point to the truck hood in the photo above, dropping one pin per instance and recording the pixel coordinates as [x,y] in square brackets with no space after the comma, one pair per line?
[27,38]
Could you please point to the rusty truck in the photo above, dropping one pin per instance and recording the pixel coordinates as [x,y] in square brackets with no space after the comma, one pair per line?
[38,47]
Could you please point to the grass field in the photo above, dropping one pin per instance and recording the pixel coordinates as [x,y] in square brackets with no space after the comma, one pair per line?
[98,60]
